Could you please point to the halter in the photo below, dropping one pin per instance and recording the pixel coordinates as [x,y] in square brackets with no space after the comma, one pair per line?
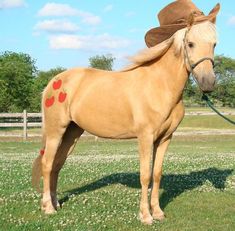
[193,65]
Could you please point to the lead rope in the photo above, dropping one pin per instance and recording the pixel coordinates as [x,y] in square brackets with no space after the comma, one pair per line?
[210,104]
[204,96]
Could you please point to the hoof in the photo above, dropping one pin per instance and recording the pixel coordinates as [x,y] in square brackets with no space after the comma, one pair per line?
[159,216]
[48,208]
[50,211]
[147,220]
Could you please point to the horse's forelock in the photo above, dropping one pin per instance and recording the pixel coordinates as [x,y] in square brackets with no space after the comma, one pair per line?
[205,31]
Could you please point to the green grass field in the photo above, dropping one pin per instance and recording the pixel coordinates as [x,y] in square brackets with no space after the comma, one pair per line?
[99,186]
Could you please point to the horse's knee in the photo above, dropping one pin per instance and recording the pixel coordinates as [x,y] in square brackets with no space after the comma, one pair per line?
[145,179]
[157,176]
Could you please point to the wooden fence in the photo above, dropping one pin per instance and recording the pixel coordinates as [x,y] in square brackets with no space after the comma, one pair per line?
[20,120]
[27,120]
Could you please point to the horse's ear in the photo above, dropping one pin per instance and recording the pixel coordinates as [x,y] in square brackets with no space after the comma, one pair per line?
[191,20]
[213,20]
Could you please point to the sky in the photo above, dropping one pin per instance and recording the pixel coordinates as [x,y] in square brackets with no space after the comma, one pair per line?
[67,33]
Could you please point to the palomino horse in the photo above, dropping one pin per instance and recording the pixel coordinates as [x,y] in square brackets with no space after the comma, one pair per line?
[143,101]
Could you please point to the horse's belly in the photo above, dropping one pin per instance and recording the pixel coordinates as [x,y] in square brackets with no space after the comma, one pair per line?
[108,122]
[106,129]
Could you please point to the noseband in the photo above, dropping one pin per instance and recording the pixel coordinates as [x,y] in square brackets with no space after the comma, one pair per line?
[201,60]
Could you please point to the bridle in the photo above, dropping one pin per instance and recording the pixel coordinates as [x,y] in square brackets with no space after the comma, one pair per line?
[187,59]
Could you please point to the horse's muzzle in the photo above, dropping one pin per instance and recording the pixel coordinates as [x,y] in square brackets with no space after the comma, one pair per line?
[207,83]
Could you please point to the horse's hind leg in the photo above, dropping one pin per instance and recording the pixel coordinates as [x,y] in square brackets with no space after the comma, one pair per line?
[53,140]
[72,134]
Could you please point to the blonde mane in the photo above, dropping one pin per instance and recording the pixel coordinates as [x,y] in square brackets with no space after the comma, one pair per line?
[205,31]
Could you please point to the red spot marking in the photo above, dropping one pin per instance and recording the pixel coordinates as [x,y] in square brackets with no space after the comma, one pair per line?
[42,151]
[57,84]
[50,101]
[62,97]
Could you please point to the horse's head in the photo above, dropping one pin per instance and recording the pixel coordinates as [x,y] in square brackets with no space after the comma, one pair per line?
[199,44]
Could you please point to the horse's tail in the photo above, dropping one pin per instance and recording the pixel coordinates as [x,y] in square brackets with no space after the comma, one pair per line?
[37,164]
[37,173]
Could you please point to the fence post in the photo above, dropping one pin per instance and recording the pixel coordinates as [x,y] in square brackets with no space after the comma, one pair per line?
[25,125]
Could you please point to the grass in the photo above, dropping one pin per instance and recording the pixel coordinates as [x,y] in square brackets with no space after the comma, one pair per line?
[206,122]
[207,109]
[99,186]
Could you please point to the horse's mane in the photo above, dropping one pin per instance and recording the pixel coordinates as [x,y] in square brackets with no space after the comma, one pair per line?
[205,31]
[149,54]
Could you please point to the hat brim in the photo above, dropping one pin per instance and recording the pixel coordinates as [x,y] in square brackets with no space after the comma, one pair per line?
[159,34]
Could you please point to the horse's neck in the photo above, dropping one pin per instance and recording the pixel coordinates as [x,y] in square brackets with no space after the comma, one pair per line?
[174,73]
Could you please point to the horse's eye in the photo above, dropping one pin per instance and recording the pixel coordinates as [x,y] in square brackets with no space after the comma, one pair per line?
[190,44]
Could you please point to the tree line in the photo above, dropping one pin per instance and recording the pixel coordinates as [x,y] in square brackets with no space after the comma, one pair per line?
[22,84]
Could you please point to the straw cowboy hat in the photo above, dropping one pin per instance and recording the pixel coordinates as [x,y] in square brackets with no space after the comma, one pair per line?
[174,17]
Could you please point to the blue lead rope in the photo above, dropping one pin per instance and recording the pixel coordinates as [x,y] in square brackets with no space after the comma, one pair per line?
[210,104]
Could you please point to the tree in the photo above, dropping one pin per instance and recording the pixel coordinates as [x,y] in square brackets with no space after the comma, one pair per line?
[40,82]
[17,71]
[5,101]
[103,62]
[189,92]
[225,73]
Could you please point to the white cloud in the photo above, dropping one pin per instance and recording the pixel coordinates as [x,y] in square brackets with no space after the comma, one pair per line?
[56,26]
[12,3]
[57,9]
[108,8]
[231,21]
[104,41]
[65,42]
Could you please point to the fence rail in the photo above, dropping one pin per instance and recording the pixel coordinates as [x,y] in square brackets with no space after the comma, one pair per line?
[23,120]
[20,120]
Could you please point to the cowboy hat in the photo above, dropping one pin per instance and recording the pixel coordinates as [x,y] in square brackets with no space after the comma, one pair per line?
[174,17]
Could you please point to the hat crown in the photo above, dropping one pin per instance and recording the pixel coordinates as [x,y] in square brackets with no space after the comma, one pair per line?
[176,16]
[177,12]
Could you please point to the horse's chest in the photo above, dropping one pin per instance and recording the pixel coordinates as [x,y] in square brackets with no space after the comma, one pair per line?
[170,124]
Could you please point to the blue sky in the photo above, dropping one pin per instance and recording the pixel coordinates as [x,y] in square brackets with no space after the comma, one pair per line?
[66,33]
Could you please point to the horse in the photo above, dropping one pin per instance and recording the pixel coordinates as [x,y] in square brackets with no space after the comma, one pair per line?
[142,101]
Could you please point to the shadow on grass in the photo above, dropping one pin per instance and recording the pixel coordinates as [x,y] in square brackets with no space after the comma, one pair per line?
[173,184]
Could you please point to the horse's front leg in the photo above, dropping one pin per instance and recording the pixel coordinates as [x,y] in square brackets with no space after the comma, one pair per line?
[159,151]
[145,149]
